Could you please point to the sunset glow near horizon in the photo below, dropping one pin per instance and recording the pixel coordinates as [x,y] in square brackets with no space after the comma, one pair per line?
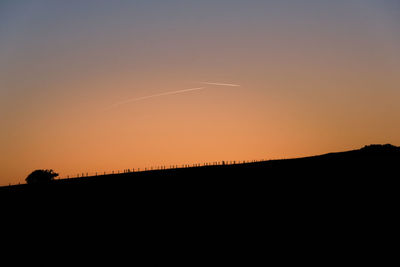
[97,86]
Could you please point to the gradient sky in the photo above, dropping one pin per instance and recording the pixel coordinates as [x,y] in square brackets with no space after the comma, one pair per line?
[90,86]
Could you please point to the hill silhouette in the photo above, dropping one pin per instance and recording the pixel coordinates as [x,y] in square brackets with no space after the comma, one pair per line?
[349,168]
[329,201]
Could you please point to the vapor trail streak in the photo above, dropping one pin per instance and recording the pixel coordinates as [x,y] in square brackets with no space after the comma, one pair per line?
[222,84]
[156,95]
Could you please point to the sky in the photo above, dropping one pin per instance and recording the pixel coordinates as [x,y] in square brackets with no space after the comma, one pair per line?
[96,86]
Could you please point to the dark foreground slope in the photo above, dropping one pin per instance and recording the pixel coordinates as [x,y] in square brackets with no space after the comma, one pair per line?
[345,170]
[329,207]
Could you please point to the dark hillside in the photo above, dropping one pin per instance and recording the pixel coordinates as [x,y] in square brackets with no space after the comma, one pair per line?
[323,199]
[369,164]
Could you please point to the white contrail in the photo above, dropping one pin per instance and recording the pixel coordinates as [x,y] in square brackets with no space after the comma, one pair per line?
[222,84]
[156,95]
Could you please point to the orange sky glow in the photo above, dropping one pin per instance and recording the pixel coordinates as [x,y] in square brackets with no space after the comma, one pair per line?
[86,89]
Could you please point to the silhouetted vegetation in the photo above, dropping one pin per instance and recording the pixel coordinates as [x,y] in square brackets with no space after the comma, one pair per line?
[380,148]
[41,176]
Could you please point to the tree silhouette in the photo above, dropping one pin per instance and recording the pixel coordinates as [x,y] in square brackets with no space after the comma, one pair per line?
[41,176]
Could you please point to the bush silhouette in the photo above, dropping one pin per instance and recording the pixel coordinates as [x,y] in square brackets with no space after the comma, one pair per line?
[41,176]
